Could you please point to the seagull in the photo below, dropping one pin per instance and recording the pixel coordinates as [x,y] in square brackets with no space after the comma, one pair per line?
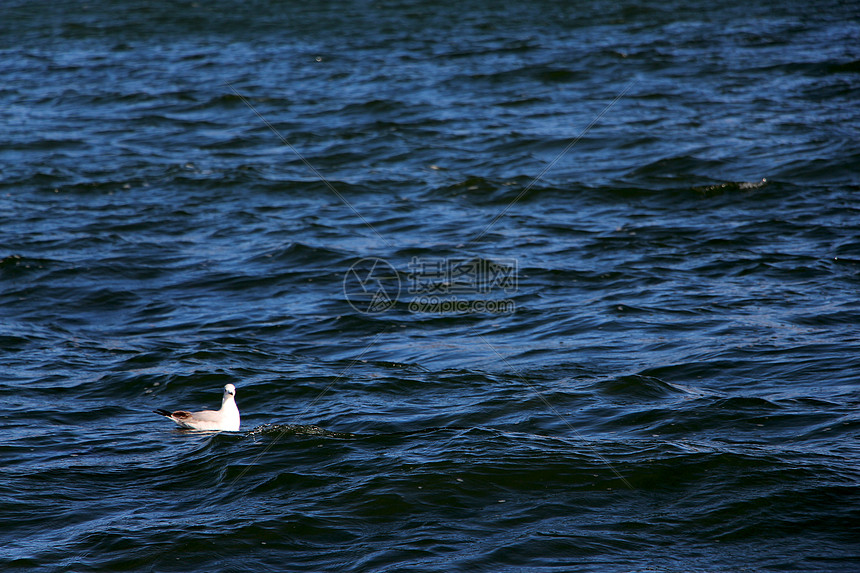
[226,419]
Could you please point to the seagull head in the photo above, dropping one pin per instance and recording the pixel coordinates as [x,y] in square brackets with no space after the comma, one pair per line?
[229,389]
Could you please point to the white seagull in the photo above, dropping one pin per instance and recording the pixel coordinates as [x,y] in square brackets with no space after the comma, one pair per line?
[226,419]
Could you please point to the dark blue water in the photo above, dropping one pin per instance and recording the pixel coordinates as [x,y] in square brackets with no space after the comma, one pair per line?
[502,286]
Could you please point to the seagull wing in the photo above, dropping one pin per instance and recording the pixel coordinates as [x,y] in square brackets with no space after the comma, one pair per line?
[203,420]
